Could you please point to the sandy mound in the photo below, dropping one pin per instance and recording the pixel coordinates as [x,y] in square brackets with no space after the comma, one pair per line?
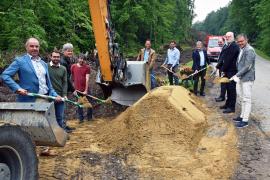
[165,136]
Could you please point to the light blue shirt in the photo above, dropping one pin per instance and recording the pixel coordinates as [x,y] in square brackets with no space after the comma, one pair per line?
[41,74]
[202,59]
[146,55]
[173,57]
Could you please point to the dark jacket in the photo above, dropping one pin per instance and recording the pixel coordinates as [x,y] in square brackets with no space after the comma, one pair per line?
[221,58]
[196,59]
[230,56]
[67,62]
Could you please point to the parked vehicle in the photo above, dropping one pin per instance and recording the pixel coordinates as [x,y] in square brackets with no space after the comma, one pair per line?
[213,49]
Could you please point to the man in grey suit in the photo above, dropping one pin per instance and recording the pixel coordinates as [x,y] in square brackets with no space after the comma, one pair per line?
[245,77]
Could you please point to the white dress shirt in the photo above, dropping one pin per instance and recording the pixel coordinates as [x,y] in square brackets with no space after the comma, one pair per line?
[41,74]
[202,58]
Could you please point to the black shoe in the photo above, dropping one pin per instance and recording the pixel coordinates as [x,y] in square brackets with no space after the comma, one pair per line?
[223,107]
[238,119]
[68,131]
[219,99]
[202,94]
[81,121]
[229,110]
[242,124]
[70,128]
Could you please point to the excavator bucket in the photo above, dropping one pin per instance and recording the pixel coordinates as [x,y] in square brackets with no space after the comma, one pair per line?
[37,119]
[137,84]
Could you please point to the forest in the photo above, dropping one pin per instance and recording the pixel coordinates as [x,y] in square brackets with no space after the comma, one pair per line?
[251,17]
[55,22]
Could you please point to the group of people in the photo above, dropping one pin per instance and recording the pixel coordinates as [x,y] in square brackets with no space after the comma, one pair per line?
[237,63]
[62,75]
[56,78]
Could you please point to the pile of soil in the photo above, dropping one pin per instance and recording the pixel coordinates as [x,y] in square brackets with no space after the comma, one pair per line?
[165,135]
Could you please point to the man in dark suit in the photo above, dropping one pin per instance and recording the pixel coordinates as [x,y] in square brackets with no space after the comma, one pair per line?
[221,43]
[200,61]
[229,69]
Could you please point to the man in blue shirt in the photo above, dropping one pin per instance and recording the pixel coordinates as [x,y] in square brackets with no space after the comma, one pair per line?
[200,61]
[172,63]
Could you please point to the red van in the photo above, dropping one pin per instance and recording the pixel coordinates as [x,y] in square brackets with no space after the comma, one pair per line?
[213,49]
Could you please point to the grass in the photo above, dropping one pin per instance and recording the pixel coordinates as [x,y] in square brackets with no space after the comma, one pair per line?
[262,54]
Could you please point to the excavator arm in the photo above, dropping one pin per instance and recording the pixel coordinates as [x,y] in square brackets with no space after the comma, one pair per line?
[100,22]
[126,81]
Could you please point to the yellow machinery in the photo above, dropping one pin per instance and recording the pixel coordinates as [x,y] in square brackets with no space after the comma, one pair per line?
[125,81]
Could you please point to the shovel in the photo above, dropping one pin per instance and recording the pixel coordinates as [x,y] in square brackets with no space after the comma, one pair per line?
[194,73]
[53,98]
[175,74]
[108,100]
[224,80]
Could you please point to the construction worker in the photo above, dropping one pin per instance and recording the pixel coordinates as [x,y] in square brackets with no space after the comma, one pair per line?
[221,43]
[58,75]
[228,70]
[172,63]
[148,55]
[200,61]
[80,77]
[245,78]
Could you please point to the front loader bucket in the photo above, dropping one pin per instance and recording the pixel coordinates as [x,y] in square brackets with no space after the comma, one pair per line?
[37,119]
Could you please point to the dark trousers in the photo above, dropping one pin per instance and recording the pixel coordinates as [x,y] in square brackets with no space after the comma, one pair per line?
[200,75]
[222,90]
[89,110]
[173,79]
[231,95]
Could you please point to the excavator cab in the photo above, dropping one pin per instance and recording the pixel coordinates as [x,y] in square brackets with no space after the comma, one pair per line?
[125,81]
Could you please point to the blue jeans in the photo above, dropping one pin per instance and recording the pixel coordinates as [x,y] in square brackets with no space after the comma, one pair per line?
[153,79]
[59,113]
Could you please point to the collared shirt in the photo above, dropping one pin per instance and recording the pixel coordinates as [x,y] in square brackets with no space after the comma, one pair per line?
[146,55]
[173,57]
[240,54]
[57,65]
[202,58]
[41,74]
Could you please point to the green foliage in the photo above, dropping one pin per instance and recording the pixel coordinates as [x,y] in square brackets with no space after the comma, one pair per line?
[55,22]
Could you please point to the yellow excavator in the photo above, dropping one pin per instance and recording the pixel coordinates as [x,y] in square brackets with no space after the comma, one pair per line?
[125,81]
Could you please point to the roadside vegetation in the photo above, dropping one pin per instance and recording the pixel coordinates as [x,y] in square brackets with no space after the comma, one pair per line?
[56,22]
[241,16]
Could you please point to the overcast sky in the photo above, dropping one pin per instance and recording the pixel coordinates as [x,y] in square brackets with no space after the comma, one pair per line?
[203,7]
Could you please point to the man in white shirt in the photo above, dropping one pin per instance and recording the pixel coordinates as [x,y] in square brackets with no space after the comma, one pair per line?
[172,63]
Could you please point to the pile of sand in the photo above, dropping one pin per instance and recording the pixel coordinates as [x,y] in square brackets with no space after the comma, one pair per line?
[164,134]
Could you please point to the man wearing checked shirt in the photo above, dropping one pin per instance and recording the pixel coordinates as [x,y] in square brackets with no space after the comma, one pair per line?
[172,63]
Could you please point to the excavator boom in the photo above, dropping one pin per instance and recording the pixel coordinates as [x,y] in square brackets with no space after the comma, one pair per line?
[126,80]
